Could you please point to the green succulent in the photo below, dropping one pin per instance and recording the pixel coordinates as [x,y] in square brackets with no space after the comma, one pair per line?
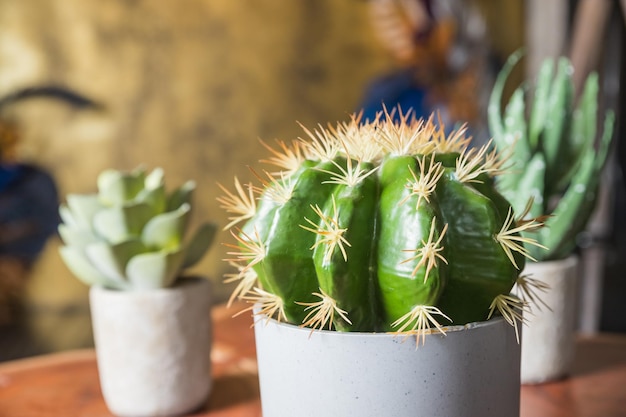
[555,165]
[378,226]
[131,234]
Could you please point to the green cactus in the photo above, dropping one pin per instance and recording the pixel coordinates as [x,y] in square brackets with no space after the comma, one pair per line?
[131,234]
[555,166]
[377,226]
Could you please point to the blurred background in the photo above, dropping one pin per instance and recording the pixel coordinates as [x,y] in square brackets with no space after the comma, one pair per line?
[191,86]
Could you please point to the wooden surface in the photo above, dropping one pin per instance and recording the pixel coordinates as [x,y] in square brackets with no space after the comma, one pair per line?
[596,388]
[66,384]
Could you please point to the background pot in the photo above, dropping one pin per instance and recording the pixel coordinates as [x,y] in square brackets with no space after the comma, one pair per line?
[471,372]
[548,337]
[153,348]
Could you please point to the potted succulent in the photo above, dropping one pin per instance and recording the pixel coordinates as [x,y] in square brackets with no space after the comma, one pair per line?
[373,234]
[555,169]
[151,324]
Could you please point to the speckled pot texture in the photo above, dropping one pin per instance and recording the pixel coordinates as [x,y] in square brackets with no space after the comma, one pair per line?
[548,337]
[153,348]
[474,371]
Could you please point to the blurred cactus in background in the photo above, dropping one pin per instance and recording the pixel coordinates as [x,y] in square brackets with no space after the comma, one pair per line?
[131,234]
[554,163]
[381,225]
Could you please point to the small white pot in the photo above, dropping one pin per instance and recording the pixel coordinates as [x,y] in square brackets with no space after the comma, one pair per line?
[471,372]
[548,337]
[153,348]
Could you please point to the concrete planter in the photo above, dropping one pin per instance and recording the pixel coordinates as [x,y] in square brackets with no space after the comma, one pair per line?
[153,348]
[471,372]
[548,337]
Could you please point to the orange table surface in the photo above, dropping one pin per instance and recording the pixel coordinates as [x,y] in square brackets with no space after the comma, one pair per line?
[66,384]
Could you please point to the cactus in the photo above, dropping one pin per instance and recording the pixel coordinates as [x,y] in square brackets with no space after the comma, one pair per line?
[377,226]
[131,234]
[555,166]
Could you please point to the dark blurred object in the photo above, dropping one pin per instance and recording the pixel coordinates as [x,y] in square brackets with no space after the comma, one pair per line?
[12,275]
[28,217]
[439,49]
[8,143]
[60,93]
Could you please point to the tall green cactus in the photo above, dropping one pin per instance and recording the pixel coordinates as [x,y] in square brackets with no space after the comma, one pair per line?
[378,225]
[554,163]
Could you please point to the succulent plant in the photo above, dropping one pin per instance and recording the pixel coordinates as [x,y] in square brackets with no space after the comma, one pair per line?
[131,234]
[377,226]
[555,165]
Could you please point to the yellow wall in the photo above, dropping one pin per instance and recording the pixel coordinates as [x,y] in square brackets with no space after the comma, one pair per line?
[188,85]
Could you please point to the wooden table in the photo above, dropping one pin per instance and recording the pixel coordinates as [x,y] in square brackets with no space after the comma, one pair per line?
[596,388]
[66,384]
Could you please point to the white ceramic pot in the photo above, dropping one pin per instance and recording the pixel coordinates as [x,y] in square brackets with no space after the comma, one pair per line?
[471,372]
[548,337]
[153,348]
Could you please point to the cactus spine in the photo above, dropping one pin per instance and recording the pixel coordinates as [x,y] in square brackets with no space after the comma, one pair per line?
[552,152]
[381,225]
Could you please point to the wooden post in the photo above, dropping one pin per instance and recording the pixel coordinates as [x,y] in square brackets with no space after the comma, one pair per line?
[588,34]
[546,32]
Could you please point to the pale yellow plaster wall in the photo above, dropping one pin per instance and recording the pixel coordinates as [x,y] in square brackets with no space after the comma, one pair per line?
[186,85]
